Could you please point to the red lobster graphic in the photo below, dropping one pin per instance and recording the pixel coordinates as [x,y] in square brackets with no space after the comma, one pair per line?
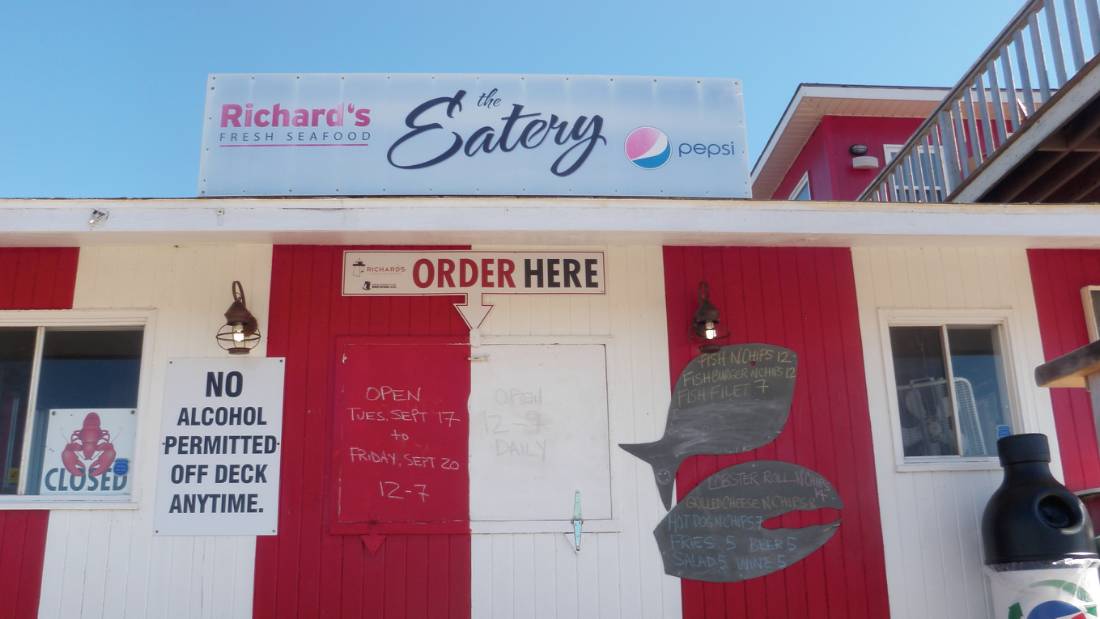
[87,441]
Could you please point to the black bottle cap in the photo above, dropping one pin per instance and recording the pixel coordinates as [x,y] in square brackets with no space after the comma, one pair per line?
[1020,448]
[1031,516]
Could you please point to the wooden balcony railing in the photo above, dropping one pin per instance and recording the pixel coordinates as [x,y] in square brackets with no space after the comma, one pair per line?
[1041,50]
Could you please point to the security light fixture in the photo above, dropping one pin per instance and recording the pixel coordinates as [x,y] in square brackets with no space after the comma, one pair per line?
[704,324]
[860,159]
[97,217]
[240,333]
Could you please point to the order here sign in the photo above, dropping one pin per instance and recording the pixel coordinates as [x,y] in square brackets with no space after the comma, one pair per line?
[221,437]
[472,274]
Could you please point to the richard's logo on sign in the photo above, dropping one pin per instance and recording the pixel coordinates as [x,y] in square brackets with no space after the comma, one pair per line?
[258,126]
[81,451]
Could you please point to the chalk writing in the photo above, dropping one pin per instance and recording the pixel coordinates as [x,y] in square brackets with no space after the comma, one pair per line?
[413,415]
[400,441]
[726,402]
[401,434]
[716,532]
[517,425]
[397,459]
[392,394]
[421,459]
[394,491]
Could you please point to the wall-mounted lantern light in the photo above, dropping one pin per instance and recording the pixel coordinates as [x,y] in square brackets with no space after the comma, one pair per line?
[704,324]
[240,333]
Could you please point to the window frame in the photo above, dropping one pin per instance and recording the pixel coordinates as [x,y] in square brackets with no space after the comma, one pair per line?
[82,318]
[1003,320]
[803,183]
[618,465]
[1091,312]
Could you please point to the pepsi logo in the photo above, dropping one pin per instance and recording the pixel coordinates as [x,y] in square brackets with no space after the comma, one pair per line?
[648,147]
[1056,609]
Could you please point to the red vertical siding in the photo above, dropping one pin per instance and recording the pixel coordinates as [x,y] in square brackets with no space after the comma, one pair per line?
[803,299]
[874,133]
[30,278]
[829,163]
[304,570]
[1057,276]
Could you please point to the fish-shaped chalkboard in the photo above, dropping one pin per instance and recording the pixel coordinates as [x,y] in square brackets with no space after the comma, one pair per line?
[715,532]
[726,402]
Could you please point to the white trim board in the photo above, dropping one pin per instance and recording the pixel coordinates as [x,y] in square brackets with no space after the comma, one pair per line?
[543,221]
[1006,320]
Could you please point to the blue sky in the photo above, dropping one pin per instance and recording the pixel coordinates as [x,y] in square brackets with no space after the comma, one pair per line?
[105,99]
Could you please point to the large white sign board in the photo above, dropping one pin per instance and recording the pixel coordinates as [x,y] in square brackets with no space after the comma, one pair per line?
[379,134]
[539,432]
[221,437]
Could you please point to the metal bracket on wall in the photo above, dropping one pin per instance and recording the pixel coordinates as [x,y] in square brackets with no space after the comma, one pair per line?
[577,521]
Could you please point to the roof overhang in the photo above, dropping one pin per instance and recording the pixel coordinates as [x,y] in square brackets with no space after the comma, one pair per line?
[811,102]
[540,221]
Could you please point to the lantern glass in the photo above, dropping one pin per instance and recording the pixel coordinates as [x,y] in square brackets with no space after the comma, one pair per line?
[704,323]
[240,333]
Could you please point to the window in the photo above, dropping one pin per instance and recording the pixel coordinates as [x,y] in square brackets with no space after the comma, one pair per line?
[911,184]
[68,410]
[1090,295]
[16,361]
[952,397]
[802,189]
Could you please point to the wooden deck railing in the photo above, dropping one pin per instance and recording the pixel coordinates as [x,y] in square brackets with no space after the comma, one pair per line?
[1042,49]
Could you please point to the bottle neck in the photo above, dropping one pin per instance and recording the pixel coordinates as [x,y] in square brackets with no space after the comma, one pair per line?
[1028,470]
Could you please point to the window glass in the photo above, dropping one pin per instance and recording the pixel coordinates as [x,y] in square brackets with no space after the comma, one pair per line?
[924,399]
[979,388]
[85,411]
[16,363]
[803,190]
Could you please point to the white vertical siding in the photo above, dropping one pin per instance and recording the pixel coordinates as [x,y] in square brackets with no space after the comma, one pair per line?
[108,563]
[618,572]
[931,519]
